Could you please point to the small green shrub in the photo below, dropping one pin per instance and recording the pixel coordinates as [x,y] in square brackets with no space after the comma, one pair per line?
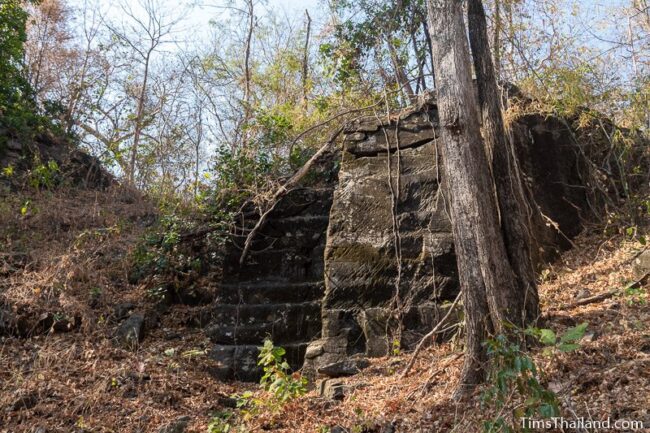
[277,378]
[515,375]
[163,253]
[44,175]
[158,252]
[635,295]
[567,342]
[220,422]
[514,378]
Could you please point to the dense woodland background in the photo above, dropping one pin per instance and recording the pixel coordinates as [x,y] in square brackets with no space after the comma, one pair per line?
[177,109]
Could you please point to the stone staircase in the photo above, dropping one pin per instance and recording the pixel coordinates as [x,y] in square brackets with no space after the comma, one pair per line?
[277,292]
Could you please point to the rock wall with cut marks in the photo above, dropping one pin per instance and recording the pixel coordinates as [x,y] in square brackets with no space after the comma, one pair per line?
[390,267]
[362,262]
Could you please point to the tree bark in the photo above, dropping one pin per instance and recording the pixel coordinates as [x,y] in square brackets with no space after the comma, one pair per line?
[507,177]
[305,60]
[400,75]
[139,118]
[496,41]
[485,275]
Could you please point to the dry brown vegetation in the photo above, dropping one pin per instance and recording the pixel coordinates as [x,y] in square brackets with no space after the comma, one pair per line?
[65,374]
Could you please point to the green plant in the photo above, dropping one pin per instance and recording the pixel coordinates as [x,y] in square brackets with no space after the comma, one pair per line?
[25,208]
[220,422]
[396,347]
[632,232]
[157,253]
[514,380]
[545,275]
[44,175]
[8,171]
[81,423]
[567,342]
[635,294]
[19,113]
[277,378]
[157,293]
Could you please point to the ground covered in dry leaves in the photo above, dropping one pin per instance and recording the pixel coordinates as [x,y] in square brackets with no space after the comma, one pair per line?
[65,266]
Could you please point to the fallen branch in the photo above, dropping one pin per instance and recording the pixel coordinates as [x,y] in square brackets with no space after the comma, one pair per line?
[602,296]
[429,335]
[592,299]
[284,189]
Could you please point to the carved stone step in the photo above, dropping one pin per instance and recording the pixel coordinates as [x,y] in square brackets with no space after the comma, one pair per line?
[250,314]
[268,292]
[240,362]
[281,331]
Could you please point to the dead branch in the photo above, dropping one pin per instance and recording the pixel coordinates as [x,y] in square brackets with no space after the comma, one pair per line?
[329,120]
[592,299]
[284,189]
[432,376]
[602,296]
[429,335]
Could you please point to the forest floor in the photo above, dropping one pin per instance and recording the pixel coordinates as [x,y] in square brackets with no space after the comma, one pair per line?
[64,267]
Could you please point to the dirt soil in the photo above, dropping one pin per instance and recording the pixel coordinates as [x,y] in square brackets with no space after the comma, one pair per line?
[64,263]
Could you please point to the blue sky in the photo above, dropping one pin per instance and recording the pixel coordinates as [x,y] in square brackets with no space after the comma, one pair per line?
[202,15]
[195,27]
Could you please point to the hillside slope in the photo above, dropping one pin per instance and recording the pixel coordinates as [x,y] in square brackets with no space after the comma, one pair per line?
[65,263]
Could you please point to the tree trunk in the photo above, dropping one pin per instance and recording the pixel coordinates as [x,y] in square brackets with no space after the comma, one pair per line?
[496,41]
[485,275]
[139,117]
[507,178]
[305,61]
[400,75]
[247,75]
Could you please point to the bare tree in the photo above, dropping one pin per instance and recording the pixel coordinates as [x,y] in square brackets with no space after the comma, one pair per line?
[507,177]
[247,58]
[46,48]
[305,58]
[147,30]
[486,278]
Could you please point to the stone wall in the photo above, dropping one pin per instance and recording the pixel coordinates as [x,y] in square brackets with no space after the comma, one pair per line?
[277,292]
[364,264]
[389,259]
[76,166]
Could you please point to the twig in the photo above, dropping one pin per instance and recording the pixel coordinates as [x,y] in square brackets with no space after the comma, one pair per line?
[284,189]
[592,299]
[607,295]
[339,115]
[429,380]
[429,335]
[327,121]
